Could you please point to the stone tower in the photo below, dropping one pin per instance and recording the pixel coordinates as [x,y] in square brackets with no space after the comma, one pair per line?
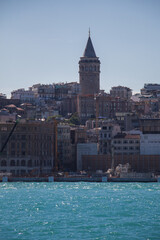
[89,70]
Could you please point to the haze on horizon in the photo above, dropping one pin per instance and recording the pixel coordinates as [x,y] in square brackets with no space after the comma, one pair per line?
[42,41]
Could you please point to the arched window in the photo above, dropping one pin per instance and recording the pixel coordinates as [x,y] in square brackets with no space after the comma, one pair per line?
[3,163]
[23,163]
[12,163]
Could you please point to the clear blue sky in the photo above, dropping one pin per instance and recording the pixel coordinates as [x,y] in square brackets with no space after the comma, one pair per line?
[42,40]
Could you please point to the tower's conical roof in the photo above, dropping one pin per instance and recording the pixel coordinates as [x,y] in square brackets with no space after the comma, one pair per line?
[89,50]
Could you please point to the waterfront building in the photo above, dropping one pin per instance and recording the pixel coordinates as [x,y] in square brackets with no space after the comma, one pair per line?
[150,137]
[78,135]
[30,149]
[106,134]
[150,144]
[139,163]
[85,149]
[64,147]
[126,144]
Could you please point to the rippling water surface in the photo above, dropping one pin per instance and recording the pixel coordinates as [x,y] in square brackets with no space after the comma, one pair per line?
[79,211]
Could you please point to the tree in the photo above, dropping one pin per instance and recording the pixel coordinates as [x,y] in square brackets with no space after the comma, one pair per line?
[74,119]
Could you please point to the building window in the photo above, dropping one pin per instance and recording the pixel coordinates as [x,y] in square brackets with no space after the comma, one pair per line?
[23,163]
[12,163]
[12,145]
[23,153]
[3,163]
[23,137]
[30,163]
[12,153]
[23,145]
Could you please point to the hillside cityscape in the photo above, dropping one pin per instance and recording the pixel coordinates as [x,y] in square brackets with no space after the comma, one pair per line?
[75,127]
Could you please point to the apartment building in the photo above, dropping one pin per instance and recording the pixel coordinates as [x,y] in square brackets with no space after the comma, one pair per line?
[126,144]
[30,149]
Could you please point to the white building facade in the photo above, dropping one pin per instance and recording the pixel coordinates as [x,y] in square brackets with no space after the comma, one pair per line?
[150,144]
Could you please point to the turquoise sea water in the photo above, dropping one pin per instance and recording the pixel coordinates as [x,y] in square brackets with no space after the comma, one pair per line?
[79,211]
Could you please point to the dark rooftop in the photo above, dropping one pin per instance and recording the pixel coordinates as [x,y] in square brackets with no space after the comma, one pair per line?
[89,50]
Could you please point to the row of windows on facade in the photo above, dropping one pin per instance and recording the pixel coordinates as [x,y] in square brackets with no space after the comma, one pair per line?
[23,145]
[126,148]
[5,128]
[90,68]
[62,144]
[125,141]
[105,135]
[106,106]
[63,130]
[24,153]
[104,151]
[28,137]
[23,163]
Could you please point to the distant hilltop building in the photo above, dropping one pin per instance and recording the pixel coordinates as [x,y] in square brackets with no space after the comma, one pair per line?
[122,92]
[150,88]
[89,70]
